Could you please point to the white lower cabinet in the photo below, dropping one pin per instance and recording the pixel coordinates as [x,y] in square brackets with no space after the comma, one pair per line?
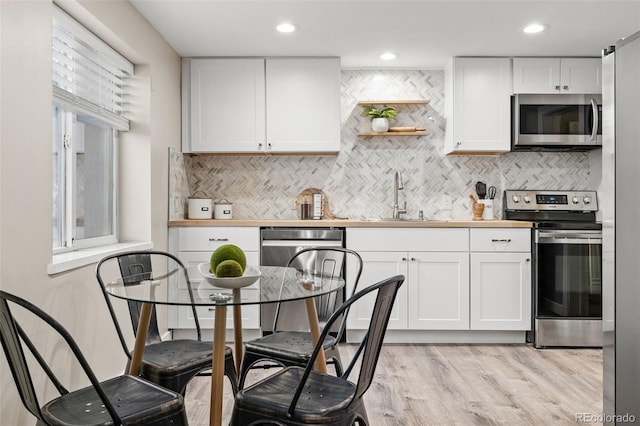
[500,279]
[435,263]
[438,291]
[194,245]
[457,279]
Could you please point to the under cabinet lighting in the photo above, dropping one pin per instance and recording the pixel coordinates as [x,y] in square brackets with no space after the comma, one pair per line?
[535,28]
[286,28]
[388,56]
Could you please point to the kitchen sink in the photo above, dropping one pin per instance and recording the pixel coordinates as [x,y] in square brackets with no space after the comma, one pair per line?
[393,219]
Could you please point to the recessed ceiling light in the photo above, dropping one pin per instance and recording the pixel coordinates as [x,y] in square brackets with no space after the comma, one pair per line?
[535,28]
[388,56]
[286,28]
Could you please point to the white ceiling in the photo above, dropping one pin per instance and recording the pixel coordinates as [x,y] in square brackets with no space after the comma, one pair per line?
[424,33]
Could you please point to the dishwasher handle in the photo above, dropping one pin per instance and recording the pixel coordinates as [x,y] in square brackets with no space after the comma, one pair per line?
[301,243]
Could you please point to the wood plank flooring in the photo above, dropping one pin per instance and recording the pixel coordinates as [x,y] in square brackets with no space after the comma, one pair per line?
[462,385]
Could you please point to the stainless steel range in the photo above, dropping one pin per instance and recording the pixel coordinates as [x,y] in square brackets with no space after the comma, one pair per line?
[567,265]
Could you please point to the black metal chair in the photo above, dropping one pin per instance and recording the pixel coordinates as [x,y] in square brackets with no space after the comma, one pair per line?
[302,396]
[171,363]
[294,347]
[122,400]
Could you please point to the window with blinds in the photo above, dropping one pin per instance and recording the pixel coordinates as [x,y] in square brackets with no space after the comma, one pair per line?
[88,75]
[89,82]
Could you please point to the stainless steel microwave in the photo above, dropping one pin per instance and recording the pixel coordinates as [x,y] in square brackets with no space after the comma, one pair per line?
[556,122]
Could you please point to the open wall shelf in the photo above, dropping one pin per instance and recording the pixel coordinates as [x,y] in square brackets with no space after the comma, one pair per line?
[395,102]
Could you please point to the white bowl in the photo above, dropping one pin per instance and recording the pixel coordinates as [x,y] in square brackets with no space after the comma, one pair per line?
[250,276]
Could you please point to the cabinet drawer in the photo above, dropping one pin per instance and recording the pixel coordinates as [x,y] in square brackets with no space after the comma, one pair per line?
[500,239]
[408,239]
[210,238]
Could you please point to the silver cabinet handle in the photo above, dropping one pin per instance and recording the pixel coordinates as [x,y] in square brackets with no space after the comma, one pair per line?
[594,109]
[505,240]
[218,239]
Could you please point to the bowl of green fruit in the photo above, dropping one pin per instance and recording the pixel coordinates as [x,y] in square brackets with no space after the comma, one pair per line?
[228,268]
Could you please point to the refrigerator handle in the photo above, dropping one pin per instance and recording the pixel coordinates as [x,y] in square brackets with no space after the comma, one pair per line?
[594,112]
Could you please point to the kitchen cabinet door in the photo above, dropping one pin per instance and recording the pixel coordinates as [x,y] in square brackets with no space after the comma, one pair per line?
[303,104]
[477,106]
[223,105]
[377,266]
[557,75]
[438,294]
[500,291]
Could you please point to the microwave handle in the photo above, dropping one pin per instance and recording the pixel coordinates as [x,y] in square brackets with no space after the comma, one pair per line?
[594,112]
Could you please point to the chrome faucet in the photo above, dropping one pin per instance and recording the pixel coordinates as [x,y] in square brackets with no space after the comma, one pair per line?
[398,185]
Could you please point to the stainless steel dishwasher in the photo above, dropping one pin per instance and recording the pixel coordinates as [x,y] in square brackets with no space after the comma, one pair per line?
[277,246]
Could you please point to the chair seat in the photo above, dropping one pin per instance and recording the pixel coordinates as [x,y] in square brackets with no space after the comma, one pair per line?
[135,400]
[178,355]
[325,398]
[292,345]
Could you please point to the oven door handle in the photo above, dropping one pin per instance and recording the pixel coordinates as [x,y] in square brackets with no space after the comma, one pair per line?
[570,239]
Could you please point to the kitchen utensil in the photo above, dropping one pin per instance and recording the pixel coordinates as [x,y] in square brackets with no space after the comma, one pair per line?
[491,192]
[481,189]
[199,207]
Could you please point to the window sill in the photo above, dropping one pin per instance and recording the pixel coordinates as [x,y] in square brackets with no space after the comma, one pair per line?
[76,259]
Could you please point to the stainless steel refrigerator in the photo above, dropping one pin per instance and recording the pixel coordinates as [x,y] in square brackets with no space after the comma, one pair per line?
[620,206]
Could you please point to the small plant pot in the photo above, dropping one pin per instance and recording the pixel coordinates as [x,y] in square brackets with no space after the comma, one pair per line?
[380,124]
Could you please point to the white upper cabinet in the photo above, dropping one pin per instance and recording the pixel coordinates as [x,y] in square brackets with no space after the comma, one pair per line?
[225,105]
[261,105]
[477,106]
[557,75]
[303,105]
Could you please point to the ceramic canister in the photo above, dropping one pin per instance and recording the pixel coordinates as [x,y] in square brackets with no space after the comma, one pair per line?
[223,209]
[199,207]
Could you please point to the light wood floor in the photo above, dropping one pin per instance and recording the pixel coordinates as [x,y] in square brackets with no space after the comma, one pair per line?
[463,385]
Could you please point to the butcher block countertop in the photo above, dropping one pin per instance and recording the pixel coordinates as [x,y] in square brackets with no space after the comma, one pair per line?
[324,223]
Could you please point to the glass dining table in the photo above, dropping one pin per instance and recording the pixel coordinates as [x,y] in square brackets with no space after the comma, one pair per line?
[168,286]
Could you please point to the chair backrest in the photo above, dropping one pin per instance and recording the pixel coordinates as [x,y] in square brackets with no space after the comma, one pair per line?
[12,336]
[369,349]
[132,267]
[324,263]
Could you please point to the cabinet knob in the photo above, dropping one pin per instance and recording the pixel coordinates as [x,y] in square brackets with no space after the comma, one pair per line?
[404,259]
[413,259]
[565,87]
[557,87]
[527,260]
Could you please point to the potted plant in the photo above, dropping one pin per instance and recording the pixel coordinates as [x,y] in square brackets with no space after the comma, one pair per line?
[380,117]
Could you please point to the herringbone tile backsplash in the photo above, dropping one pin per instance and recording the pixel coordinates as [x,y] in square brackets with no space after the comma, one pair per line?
[358,181]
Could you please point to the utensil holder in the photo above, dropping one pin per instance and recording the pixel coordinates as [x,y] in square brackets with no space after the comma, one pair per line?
[487,214]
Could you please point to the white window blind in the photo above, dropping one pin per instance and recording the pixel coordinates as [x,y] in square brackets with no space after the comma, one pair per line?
[88,75]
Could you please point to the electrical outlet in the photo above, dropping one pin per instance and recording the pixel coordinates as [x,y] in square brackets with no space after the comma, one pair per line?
[446,203]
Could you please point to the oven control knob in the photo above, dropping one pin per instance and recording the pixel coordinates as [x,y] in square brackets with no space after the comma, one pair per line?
[516,198]
[527,199]
[587,200]
[575,200]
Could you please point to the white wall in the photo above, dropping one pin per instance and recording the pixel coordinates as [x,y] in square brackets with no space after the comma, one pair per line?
[26,172]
